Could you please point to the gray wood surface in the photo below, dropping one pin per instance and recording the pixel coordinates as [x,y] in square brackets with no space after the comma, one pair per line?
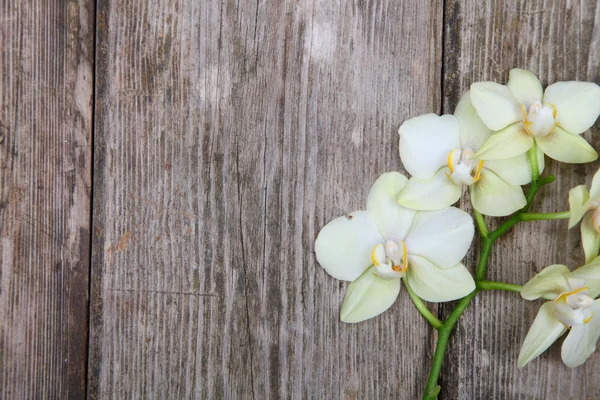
[46,88]
[557,41]
[226,134]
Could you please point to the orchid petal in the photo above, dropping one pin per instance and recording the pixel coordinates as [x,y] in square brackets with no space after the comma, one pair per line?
[566,147]
[590,270]
[577,104]
[551,282]
[494,197]
[473,132]
[392,219]
[543,332]
[525,86]
[578,196]
[506,143]
[516,170]
[581,341]
[443,237]
[495,105]
[368,296]
[343,247]
[426,141]
[590,273]
[430,194]
[590,238]
[595,188]
[436,284]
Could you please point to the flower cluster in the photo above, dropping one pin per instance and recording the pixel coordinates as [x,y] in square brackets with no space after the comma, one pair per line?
[494,144]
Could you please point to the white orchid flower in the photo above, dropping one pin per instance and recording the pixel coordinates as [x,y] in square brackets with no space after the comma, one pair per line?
[580,202]
[439,153]
[572,307]
[375,248]
[521,113]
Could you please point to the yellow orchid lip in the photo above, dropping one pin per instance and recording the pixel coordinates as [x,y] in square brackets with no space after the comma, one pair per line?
[563,296]
[377,260]
[464,160]
[477,176]
[374,256]
[527,124]
[404,260]
[553,110]
[450,159]
[563,299]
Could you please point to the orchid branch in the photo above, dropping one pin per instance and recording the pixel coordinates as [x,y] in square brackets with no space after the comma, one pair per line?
[533,162]
[432,319]
[483,229]
[545,216]
[487,242]
[480,109]
[432,387]
[492,285]
[445,154]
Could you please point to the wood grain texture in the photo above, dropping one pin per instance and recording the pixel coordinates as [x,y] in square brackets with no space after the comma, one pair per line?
[556,40]
[46,86]
[228,133]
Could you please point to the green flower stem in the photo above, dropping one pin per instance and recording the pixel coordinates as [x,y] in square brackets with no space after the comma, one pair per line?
[533,162]
[433,320]
[484,255]
[491,285]
[533,189]
[483,229]
[536,182]
[545,216]
[487,241]
[432,388]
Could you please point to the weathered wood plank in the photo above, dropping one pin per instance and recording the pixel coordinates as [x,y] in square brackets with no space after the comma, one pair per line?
[228,134]
[46,61]
[556,40]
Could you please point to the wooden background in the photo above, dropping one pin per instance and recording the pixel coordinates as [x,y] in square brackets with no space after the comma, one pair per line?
[165,167]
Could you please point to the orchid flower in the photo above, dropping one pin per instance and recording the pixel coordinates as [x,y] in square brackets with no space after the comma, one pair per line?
[375,248]
[521,113]
[580,202]
[439,153]
[572,307]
